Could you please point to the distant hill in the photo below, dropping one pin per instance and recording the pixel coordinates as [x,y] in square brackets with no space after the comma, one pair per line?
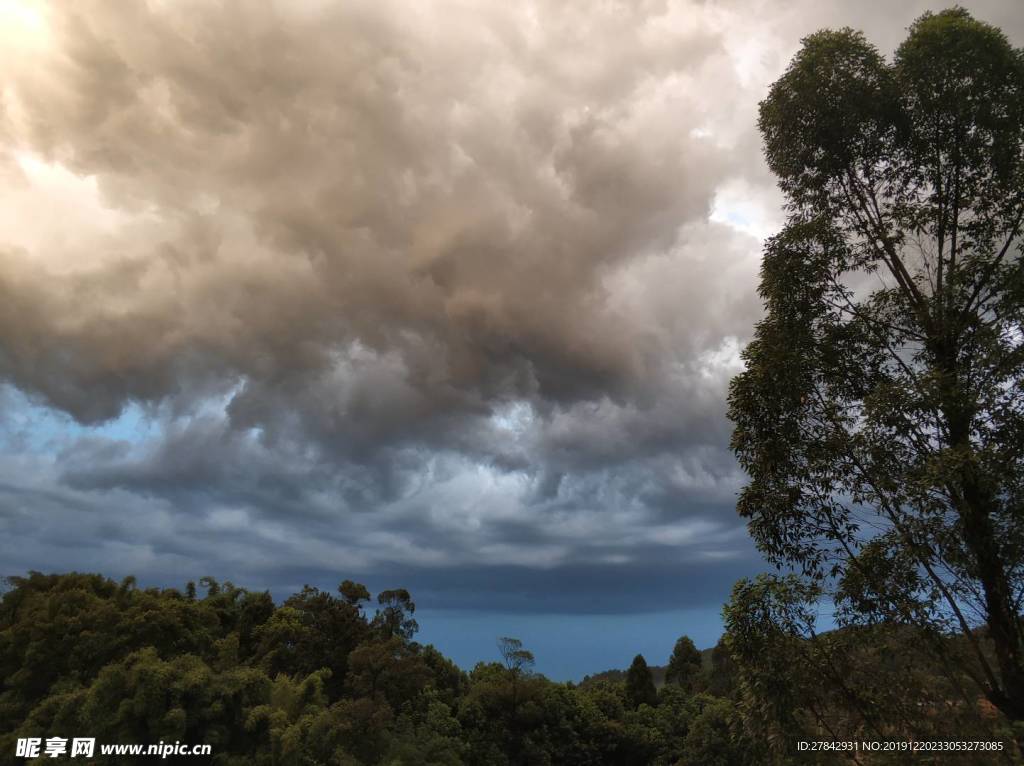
[657,672]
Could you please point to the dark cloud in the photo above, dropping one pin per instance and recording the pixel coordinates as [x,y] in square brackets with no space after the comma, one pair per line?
[440,294]
[437,200]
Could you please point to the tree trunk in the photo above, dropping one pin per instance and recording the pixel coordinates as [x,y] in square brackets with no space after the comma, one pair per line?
[976,503]
[1003,622]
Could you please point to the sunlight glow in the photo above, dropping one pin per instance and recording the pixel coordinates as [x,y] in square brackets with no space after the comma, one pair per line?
[23,24]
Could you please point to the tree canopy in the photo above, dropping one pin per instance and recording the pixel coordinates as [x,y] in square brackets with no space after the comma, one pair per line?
[880,416]
[640,689]
[312,680]
[685,663]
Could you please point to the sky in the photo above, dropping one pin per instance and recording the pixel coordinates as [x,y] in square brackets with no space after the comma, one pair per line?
[425,294]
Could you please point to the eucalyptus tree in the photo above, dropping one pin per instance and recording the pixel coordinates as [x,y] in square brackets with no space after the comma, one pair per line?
[880,416]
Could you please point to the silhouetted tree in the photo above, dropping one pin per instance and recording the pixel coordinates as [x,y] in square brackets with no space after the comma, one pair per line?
[394,618]
[517,659]
[879,415]
[684,665]
[640,684]
[354,593]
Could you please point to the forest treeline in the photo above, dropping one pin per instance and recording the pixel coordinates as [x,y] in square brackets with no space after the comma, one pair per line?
[339,679]
[321,678]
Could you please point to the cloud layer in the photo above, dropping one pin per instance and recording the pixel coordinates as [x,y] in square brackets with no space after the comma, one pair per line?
[448,292]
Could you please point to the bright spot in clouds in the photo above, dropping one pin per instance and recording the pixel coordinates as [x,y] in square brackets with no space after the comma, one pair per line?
[739,205]
[22,24]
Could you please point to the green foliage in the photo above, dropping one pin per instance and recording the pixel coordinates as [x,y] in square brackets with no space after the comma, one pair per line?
[869,682]
[765,623]
[684,665]
[640,684]
[394,618]
[716,737]
[354,593]
[722,674]
[312,630]
[881,412]
[313,681]
[516,659]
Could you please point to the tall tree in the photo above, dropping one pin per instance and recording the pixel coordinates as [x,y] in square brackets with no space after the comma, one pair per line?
[394,618]
[684,664]
[515,658]
[881,413]
[640,684]
[518,662]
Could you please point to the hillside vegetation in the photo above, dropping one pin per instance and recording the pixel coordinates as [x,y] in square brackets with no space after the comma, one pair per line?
[326,678]
[321,678]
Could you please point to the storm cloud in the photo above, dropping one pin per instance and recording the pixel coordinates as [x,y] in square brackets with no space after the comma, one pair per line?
[446,293]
